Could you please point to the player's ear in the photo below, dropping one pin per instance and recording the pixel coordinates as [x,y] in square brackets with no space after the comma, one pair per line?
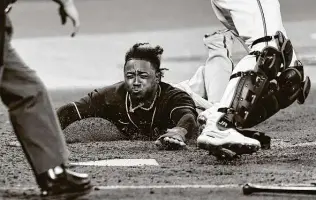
[158,77]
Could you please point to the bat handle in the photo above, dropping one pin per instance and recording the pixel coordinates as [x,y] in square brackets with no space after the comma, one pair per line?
[247,189]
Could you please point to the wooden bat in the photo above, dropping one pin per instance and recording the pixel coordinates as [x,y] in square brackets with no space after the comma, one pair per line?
[293,189]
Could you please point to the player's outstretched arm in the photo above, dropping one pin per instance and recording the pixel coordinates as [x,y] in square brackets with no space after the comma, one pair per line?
[67,9]
[91,105]
[67,114]
[181,109]
[176,137]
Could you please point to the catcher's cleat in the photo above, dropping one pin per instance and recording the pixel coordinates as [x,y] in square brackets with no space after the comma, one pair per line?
[226,144]
[62,182]
[222,153]
[265,141]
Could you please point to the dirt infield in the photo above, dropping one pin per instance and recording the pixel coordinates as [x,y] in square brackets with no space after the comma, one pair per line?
[291,159]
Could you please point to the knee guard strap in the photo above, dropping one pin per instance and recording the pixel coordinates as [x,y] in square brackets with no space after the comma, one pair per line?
[284,51]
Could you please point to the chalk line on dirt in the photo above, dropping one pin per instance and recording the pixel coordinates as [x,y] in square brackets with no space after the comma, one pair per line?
[143,187]
[114,187]
[139,187]
[119,162]
[280,144]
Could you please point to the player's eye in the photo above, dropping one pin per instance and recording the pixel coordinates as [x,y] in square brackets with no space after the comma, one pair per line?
[130,76]
[144,76]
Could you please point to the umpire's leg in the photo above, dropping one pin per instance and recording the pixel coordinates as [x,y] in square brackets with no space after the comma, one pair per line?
[31,113]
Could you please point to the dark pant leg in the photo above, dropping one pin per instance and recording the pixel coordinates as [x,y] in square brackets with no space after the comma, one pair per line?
[31,113]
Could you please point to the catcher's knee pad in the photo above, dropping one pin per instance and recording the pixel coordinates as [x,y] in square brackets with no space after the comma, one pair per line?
[292,86]
[305,84]
[289,87]
[271,60]
[285,47]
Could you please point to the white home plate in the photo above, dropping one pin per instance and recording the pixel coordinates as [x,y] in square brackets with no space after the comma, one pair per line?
[119,162]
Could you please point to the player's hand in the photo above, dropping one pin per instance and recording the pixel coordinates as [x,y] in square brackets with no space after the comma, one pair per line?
[201,121]
[67,9]
[173,139]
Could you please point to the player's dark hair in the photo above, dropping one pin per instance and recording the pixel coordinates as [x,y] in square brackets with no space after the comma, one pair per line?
[144,51]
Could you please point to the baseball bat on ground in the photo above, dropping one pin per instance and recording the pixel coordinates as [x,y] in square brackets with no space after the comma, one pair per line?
[299,189]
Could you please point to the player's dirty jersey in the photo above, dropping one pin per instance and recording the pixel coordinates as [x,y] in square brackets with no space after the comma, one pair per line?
[113,103]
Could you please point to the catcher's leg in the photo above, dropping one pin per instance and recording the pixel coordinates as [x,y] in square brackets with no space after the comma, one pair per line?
[195,87]
[251,97]
[220,135]
[219,65]
[208,84]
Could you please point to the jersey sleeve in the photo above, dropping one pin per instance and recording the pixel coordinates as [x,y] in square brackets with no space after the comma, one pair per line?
[182,111]
[92,105]
[186,118]
[180,100]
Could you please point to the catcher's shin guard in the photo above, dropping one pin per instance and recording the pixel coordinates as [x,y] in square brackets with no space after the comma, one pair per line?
[247,108]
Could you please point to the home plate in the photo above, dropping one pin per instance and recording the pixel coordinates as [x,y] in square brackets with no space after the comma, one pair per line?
[119,162]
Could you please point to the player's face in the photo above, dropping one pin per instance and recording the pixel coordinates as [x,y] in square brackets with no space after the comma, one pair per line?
[141,78]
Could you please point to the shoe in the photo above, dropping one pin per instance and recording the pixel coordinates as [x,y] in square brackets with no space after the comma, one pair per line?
[226,143]
[62,181]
